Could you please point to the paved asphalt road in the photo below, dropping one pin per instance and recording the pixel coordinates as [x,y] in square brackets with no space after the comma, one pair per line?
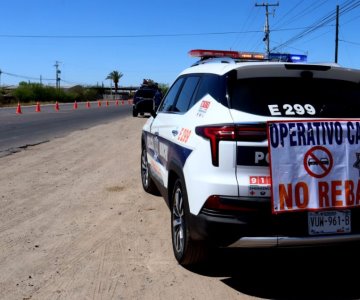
[30,128]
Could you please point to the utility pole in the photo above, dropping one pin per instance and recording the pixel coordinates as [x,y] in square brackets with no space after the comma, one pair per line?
[57,75]
[337,34]
[0,77]
[267,26]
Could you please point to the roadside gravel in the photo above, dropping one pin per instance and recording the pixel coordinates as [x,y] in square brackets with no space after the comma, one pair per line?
[76,224]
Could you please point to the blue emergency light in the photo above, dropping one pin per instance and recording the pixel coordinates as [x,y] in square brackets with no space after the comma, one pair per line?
[287,57]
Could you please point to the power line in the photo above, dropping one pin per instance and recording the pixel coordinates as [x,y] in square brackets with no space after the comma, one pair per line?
[349,21]
[337,34]
[244,26]
[24,76]
[135,36]
[120,36]
[39,78]
[73,82]
[349,42]
[309,9]
[348,6]
[143,35]
[297,49]
[311,29]
[292,9]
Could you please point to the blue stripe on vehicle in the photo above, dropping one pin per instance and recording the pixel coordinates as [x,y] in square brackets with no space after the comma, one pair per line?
[175,152]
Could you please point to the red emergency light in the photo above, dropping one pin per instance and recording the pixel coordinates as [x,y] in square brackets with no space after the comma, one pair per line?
[225,53]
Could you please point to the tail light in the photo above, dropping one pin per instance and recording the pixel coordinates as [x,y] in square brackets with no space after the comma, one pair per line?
[218,203]
[245,132]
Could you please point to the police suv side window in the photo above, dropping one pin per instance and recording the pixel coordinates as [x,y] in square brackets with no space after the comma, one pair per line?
[170,98]
[213,85]
[186,94]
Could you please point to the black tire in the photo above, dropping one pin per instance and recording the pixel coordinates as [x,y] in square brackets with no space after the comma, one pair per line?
[134,112]
[147,182]
[187,251]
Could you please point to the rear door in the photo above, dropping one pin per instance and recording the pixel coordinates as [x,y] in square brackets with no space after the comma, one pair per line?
[161,134]
[172,126]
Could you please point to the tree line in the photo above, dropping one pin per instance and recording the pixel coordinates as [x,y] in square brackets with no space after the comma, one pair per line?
[30,92]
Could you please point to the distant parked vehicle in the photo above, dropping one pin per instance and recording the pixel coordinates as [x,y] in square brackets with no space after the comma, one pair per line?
[146,99]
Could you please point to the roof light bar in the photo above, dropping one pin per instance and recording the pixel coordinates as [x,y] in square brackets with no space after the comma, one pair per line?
[224,53]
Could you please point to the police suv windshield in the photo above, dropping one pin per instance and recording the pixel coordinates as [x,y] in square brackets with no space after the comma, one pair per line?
[296,97]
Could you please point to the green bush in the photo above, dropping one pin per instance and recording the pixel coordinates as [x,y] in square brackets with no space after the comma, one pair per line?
[32,92]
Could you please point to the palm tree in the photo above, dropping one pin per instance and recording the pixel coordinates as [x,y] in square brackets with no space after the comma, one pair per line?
[115,77]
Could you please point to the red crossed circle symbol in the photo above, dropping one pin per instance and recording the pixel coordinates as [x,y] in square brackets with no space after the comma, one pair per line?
[318,161]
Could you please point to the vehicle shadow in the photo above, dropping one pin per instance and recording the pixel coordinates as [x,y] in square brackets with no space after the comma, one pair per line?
[302,273]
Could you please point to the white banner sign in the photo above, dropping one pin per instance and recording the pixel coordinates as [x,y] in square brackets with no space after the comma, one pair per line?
[315,165]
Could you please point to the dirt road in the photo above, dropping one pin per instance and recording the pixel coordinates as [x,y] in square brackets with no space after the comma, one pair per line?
[76,224]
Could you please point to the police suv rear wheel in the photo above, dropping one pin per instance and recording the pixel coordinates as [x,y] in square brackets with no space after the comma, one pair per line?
[186,251]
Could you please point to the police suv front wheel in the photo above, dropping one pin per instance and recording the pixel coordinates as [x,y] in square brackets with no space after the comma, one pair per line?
[186,250]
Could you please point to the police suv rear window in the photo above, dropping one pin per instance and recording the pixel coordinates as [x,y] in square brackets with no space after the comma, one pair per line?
[296,97]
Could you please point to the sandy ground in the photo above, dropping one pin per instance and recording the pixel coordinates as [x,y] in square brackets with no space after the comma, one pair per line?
[75,223]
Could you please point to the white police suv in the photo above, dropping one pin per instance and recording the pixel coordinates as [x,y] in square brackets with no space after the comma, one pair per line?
[256,151]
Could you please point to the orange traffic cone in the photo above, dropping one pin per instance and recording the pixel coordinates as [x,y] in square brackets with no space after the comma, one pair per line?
[57,108]
[122,102]
[99,103]
[18,109]
[117,102]
[87,104]
[75,105]
[107,102]
[37,108]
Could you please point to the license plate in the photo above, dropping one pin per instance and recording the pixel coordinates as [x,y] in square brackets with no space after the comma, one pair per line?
[329,222]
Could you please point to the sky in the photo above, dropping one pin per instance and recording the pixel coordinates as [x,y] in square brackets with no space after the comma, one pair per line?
[151,39]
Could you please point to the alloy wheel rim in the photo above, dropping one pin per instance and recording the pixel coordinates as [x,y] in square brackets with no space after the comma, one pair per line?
[144,169]
[178,221]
